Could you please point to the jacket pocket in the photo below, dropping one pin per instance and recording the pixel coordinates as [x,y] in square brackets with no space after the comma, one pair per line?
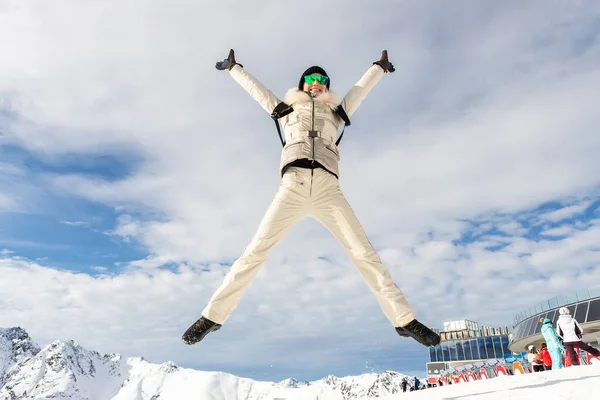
[334,151]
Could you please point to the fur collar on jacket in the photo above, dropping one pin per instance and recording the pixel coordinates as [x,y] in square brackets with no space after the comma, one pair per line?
[297,96]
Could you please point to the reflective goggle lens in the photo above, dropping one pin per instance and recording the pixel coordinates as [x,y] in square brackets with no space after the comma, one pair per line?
[311,79]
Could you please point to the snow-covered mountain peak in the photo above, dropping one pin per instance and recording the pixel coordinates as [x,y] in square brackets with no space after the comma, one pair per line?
[15,347]
[292,383]
[20,342]
[64,369]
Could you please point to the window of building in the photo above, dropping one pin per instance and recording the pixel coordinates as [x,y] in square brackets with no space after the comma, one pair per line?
[482,350]
[517,331]
[505,351]
[432,355]
[452,350]
[581,311]
[445,352]
[530,327]
[525,329]
[532,324]
[460,351]
[497,347]
[594,311]
[489,346]
[474,349]
[438,353]
[467,350]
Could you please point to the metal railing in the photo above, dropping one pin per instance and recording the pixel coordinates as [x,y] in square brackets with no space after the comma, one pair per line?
[555,302]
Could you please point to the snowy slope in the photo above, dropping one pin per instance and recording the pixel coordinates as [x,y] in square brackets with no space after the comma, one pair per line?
[573,383]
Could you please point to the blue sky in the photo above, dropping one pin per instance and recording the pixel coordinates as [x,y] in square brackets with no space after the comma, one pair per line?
[132,174]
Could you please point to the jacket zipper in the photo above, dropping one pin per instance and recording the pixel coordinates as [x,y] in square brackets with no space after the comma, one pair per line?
[313,129]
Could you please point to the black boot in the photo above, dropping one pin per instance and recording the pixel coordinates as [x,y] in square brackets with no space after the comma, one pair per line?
[420,333]
[199,330]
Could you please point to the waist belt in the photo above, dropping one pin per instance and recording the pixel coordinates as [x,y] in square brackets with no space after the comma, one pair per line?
[306,163]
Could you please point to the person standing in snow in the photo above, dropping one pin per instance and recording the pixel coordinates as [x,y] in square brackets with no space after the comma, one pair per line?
[309,187]
[534,359]
[570,332]
[404,385]
[417,383]
[545,356]
[555,347]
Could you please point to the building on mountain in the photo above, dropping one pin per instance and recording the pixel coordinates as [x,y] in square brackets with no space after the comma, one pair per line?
[467,344]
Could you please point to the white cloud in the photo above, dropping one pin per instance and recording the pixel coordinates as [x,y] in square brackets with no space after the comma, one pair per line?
[560,231]
[566,212]
[435,250]
[74,223]
[5,202]
[512,228]
[574,252]
[10,169]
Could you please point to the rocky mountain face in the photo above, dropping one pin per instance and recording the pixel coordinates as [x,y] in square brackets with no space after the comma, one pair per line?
[65,370]
[15,347]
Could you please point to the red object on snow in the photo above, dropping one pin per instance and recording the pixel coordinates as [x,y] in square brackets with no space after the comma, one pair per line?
[500,370]
[483,374]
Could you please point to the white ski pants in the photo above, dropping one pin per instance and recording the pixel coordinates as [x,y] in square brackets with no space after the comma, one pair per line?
[304,192]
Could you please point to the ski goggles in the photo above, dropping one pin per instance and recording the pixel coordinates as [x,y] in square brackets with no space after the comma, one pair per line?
[311,79]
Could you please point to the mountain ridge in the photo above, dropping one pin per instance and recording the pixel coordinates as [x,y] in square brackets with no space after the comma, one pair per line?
[65,370]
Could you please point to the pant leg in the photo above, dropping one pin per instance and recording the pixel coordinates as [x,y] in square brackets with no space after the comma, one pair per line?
[332,210]
[570,350]
[586,347]
[556,358]
[288,207]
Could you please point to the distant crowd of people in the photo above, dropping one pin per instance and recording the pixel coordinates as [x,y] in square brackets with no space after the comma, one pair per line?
[564,339]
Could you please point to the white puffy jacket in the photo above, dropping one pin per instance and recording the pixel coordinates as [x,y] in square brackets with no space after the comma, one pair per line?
[310,113]
[567,328]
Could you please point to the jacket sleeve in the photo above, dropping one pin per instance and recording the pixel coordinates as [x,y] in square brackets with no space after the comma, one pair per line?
[257,90]
[551,337]
[578,326]
[559,331]
[361,89]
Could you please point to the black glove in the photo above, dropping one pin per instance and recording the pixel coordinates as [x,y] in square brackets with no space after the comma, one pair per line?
[228,63]
[385,63]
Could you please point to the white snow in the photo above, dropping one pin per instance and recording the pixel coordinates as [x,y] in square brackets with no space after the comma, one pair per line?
[570,383]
